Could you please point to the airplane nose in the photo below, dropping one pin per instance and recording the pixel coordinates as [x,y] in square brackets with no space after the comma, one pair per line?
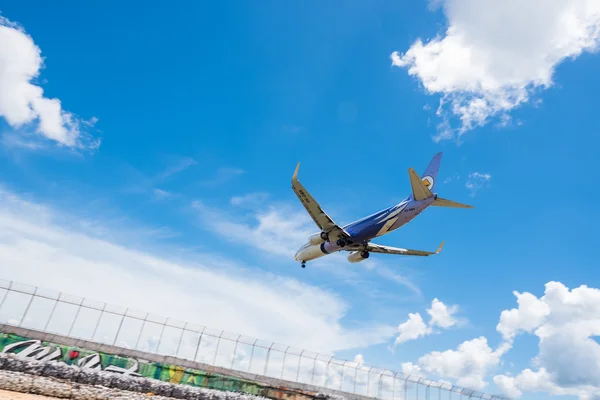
[300,253]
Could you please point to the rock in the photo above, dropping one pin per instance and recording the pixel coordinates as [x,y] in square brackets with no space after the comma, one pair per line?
[60,380]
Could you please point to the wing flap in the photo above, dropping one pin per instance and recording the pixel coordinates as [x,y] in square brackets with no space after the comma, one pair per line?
[377,248]
[319,216]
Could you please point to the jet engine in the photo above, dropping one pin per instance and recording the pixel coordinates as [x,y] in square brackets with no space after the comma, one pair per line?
[317,238]
[358,256]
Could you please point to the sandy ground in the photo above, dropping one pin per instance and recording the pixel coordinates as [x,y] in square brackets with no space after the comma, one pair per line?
[6,395]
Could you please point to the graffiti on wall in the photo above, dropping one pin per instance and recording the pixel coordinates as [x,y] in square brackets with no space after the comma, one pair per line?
[32,349]
[35,350]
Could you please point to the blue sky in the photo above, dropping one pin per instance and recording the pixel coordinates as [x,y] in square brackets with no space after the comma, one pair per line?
[188,121]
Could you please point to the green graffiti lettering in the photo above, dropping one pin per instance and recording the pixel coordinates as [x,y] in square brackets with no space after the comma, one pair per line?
[45,351]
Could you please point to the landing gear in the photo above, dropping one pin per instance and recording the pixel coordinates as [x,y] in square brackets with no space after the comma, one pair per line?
[325,236]
[303,264]
[343,242]
[364,254]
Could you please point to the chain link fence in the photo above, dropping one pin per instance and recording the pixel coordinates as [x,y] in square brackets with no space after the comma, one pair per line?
[58,313]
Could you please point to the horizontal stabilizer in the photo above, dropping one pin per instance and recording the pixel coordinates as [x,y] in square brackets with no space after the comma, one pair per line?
[420,190]
[449,203]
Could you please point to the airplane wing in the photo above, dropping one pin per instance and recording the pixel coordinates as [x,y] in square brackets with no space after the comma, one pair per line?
[323,221]
[376,248]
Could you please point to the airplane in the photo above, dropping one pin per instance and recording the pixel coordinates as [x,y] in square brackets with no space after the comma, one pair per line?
[356,237]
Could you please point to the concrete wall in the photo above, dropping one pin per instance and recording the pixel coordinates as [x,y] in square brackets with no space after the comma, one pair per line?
[59,380]
[44,346]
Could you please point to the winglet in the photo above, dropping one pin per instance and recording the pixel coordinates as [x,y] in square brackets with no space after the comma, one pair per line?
[440,248]
[296,172]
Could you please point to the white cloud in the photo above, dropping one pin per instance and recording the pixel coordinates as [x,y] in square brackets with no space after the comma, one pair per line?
[40,246]
[531,313]
[412,329]
[179,164]
[477,181]
[160,194]
[278,229]
[440,315]
[359,359]
[409,368]
[251,200]
[469,364]
[565,322]
[275,230]
[495,55]
[223,175]
[452,178]
[541,381]
[144,183]
[392,275]
[22,103]
[507,385]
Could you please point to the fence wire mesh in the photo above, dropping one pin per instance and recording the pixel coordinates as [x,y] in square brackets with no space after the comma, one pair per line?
[58,313]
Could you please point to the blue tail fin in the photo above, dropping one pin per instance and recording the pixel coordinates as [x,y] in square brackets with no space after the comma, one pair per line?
[429,177]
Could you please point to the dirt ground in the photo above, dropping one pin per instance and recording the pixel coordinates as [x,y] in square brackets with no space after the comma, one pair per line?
[6,395]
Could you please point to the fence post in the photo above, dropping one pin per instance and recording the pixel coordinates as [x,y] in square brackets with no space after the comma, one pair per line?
[52,312]
[98,323]
[198,346]
[217,349]
[355,376]
[235,350]
[76,315]
[394,387]
[141,330]
[312,379]
[120,325]
[267,359]
[283,363]
[327,372]
[342,376]
[369,382]
[180,339]
[252,354]
[28,305]
[162,331]
[406,387]
[6,294]
[299,362]
[380,383]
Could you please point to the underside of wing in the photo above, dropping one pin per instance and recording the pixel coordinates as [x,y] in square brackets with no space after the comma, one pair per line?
[323,221]
[376,248]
